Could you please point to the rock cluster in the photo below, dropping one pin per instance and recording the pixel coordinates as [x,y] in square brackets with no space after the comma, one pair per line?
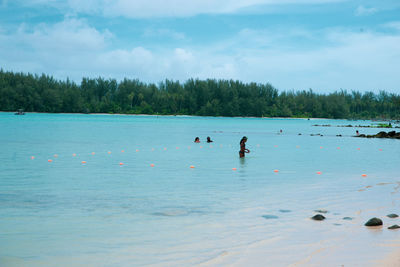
[391,134]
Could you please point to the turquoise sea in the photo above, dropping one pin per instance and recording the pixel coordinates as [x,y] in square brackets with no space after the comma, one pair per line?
[119,190]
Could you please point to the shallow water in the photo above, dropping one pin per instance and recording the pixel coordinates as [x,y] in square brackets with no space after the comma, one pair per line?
[101,213]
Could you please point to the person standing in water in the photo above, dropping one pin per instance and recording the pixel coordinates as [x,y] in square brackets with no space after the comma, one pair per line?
[243,148]
[209,140]
[197,140]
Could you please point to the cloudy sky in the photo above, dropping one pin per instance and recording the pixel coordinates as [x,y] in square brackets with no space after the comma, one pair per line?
[325,45]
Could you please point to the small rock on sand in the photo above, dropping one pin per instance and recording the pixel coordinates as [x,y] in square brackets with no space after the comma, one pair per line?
[347,218]
[374,222]
[392,215]
[395,226]
[318,217]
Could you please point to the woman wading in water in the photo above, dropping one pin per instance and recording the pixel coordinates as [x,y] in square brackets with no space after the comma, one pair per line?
[243,148]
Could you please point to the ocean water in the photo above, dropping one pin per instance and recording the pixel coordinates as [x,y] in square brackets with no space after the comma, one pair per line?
[136,201]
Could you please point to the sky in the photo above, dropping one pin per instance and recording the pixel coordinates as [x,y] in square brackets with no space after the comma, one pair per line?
[325,45]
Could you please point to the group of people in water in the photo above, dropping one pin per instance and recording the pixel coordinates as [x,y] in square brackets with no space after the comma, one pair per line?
[197,140]
[242,150]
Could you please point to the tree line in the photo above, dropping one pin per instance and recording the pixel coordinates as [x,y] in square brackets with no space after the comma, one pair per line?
[210,97]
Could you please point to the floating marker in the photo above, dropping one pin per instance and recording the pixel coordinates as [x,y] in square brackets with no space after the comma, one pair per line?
[32,157]
[234,169]
[358,148]
[338,147]
[109,152]
[321,147]
[276,171]
[363,175]
[152,165]
[122,151]
[121,163]
[319,172]
[380,149]
[191,166]
[74,155]
[137,150]
[83,162]
[49,160]
[93,153]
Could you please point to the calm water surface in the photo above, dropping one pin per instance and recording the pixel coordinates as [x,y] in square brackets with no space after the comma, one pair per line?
[102,213]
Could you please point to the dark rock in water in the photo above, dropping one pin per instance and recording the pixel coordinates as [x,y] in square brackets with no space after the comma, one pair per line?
[395,226]
[318,217]
[284,211]
[374,222]
[347,218]
[382,135]
[270,217]
[391,134]
[392,215]
[321,211]
[339,135]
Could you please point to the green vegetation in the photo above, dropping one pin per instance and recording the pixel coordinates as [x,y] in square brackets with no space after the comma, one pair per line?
[194,97]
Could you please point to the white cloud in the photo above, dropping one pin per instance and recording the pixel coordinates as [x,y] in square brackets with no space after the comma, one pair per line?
[365,11]
[342,58]
[162,8]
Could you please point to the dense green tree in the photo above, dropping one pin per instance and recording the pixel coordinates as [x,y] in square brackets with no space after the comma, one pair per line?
[194,97]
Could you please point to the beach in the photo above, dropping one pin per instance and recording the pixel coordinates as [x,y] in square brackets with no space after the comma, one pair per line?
[101,190]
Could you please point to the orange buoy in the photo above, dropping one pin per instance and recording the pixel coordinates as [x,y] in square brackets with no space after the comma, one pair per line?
[152,165]
[83,162]
[319,172]
[109,152]
[122,151]
[121,163]
[358,148]
[234,169]
[32,157]
[276,171]
[321,147]
[137,150]
[93,153]
[191,166]
[380,149]
[363,175]
[49,160]
[74,155]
